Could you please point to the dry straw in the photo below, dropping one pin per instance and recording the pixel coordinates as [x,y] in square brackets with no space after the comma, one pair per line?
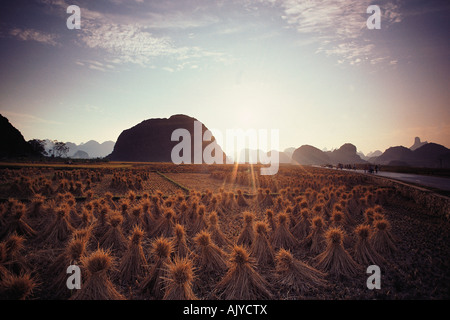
[240,199]
[365,254]
[217,236]
[180,277]
[200,222]
[209,257]
[134,218]
[113,239]
[335,259]
[165,225]
[270,219]
[247,234]
[16,223]
[181,248]
[97,285]
[133,263]
[268,200]
[152,285]
[12,257]
[72,255]
[303,226]
[242,282]
[315,241]
[60,230]
[261,248]
[295,275]
[36,208]
[282,237]
[17,287]
[382,239]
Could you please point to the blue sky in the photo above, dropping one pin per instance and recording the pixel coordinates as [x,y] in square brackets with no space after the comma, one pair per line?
[310,69]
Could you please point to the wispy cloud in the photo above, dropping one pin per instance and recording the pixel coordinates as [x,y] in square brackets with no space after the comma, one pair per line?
[127,43]
[34,35]
[137,39]
[26,118]
[93,109]
[96,65]
[338,25]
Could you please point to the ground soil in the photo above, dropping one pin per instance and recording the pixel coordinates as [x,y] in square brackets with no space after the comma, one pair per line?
[419,269]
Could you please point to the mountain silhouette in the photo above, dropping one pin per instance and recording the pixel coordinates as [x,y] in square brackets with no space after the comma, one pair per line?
[309,155]
[12,142]
[150,140]
[97,150]
[289,151]
[417,144]
[80,155]
[278,157]
[398,154]
[375,153]
[93,148]
[283,157]
[431,155]
[346,154]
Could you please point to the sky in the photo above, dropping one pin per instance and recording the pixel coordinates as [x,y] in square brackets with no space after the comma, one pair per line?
[312,70]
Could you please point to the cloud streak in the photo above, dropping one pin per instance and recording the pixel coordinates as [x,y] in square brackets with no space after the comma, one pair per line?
[26,119]
[131,39]
[338,25]
[34,35]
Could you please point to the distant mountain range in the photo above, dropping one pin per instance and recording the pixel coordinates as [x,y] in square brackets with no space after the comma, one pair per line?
[430,155]
[309,155]
[90,149]
[151,141]
[253,156]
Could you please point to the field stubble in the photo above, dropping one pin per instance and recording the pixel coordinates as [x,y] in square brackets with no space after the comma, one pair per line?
[215,233]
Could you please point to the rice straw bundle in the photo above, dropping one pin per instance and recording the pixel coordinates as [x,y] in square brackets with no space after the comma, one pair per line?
[17,287]
[261,249]
[303,226]
[295,275]
[241,281]
[335,259]
[165,225]
[209,257]
[153,284]
[382,240]
[240,199]
[181,248]
[315,241]
[133,263]
[60,230]
[180,276]
[217,236]
[365,254]
[113,239]
[282,237]
[98,285]
[247,234]
[16,223]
